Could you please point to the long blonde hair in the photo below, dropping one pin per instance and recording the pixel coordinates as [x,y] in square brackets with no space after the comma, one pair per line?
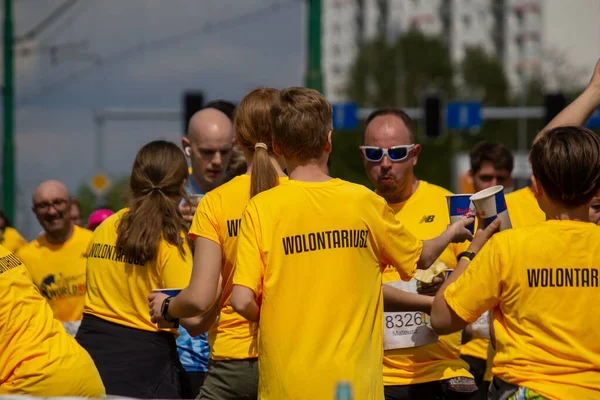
[254,124]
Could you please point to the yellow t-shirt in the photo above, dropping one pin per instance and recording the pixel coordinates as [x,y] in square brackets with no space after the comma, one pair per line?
[37,356]
[542,283]
[11,239]
[218,219]
[118,287]
[313,253]
[425,214]
[59,272]
[523,208]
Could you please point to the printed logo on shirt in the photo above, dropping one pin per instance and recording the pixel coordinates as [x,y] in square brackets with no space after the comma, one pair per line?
[427,219]
[232,227]
[57,287]
[113,253]
[9,262]
[562,277]
[334,239]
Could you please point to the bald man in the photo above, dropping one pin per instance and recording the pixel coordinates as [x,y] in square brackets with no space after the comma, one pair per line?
[57,258]
[209,146]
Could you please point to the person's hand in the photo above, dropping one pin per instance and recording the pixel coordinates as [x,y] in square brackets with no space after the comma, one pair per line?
[432,288]
[483,235]
[189,209]
[458,230]
[155,301]
[595,81]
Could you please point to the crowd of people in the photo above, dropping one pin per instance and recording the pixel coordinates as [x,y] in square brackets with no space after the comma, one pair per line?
[240,269]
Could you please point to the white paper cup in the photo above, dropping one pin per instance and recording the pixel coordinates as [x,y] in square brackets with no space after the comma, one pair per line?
[490,204]
[172,292]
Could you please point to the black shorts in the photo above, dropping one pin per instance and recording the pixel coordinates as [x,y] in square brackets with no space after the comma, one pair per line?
[132,362]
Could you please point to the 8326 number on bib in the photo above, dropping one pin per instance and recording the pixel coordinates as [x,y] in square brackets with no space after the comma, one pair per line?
[406,329]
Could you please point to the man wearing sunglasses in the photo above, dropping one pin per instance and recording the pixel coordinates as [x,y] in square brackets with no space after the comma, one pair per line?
[57,258]
[425,367]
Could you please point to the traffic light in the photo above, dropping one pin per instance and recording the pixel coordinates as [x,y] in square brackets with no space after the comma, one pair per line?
[192,102]
[432,118]
[553,104]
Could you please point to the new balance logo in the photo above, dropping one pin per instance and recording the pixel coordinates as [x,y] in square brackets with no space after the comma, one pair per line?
[427,219]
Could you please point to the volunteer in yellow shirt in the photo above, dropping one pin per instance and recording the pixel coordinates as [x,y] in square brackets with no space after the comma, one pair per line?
[540,280]
[416,363]
[233,366]
[134,251]
[37,357]
[57,258]
[9,237]
[309,262]
[491,165]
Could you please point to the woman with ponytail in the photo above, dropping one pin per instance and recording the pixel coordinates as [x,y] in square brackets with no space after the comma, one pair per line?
[134,251]
[232,372]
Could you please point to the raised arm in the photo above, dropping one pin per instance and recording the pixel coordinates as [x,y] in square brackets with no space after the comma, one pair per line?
[580,110]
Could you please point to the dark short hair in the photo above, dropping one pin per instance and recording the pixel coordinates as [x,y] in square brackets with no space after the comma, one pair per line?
[226,107]
[566,163]
[496,153]
[396,112]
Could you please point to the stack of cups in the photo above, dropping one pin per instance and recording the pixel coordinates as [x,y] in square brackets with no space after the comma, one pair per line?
[490,204]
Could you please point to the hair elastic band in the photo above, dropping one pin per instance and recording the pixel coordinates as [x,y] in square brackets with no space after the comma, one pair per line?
[261,145]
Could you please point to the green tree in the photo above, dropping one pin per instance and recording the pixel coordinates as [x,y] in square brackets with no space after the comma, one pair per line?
[115,198]
[387,75]
[483,73]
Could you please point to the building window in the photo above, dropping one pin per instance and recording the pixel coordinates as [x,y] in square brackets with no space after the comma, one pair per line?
[336,50]
[520,17]
[415,3]
[466,21]
[336,70]
[337,29]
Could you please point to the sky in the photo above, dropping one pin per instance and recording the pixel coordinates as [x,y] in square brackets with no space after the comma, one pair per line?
[115,55]
[143,54]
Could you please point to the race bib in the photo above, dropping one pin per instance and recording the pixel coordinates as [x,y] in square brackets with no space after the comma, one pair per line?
[403,330]
[481,327]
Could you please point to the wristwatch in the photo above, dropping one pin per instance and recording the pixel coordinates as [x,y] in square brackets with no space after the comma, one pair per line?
[466,254]
[164,311]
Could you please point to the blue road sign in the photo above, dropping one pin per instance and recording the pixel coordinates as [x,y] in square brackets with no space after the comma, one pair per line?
[594,121]
[345,116]
[463,115]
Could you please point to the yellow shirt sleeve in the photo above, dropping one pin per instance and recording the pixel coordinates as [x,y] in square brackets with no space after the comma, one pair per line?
[249,264]
[400,247]
[478,288]
[206,223]
[176,268]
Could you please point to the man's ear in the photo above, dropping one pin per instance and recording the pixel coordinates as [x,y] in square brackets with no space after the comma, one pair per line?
[328,145]
[536,188]
[415,153]
[277,150]
[185,144]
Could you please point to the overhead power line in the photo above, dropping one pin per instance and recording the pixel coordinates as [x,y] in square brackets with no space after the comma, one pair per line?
[154,45]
